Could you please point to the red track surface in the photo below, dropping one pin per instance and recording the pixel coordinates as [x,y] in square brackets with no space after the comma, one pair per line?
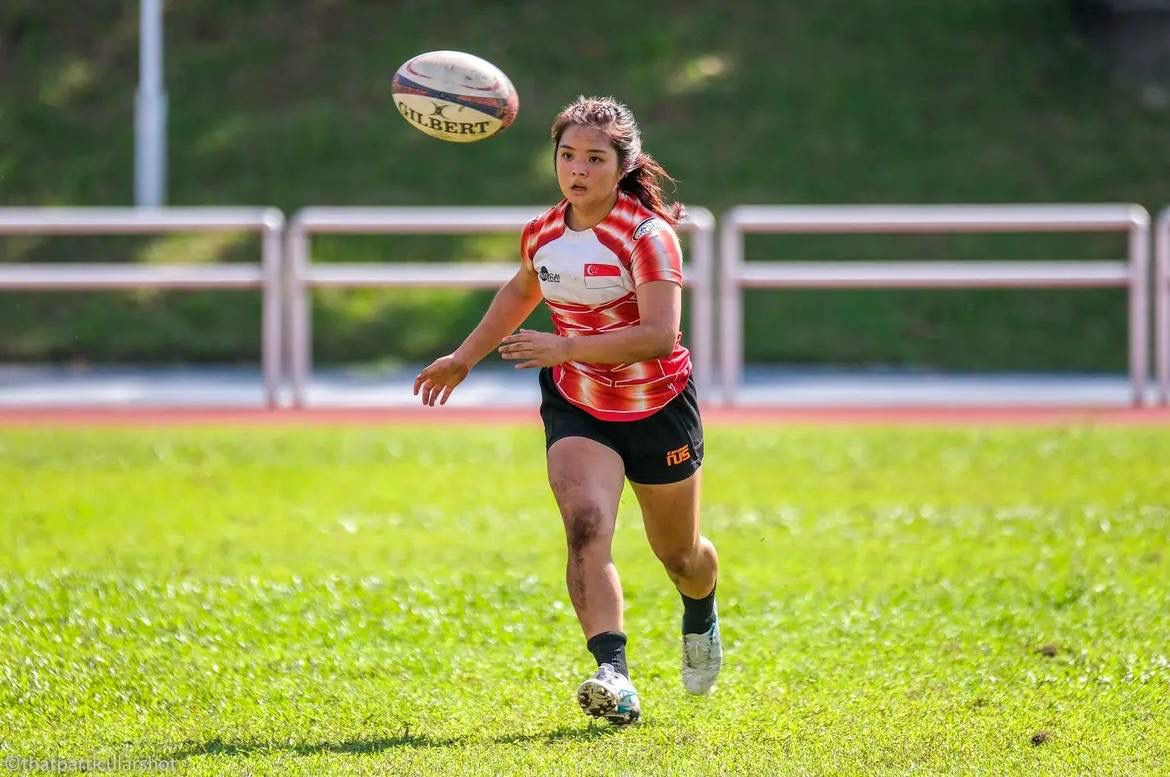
[842,416]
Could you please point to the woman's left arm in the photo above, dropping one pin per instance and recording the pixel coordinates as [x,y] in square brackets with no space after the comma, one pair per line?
[653,337]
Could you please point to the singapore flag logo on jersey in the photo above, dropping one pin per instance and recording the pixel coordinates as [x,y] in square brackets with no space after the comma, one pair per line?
[600,276]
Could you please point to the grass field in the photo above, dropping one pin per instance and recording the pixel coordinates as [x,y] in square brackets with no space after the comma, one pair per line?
[389,600]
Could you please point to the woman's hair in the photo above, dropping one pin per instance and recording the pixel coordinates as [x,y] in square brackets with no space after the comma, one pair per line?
[640,174]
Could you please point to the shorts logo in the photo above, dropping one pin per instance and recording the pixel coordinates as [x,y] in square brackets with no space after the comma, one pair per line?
[648,227]
[549,277]
[678,456]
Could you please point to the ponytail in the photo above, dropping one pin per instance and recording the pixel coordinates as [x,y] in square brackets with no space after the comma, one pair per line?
[644,183]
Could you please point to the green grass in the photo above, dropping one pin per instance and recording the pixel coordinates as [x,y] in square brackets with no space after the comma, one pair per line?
[390,600]
[858,101]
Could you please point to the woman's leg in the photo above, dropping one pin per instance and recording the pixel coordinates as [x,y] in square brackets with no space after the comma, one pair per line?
[670,513]
[587,479]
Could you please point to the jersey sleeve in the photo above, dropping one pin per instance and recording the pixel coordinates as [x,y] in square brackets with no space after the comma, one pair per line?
[657,254]
[528,245]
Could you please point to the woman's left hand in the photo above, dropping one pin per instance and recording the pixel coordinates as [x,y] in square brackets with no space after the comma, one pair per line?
[534,349]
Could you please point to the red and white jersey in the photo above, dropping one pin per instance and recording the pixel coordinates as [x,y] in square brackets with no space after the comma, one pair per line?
[588,279]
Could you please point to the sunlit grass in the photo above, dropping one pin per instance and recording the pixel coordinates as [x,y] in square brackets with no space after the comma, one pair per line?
[196,248]
[388,600]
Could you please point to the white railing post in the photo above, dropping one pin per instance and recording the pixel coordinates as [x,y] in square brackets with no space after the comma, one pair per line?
[1139,306]
[700,225]
[1162,304]
[853,219]
[299,336]
[272,283]
[304,275]
[731,306]
[265,275]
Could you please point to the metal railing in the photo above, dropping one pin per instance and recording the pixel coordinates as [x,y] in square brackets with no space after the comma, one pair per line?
[736,274]
[304,275]
[1162,305]
[123,221]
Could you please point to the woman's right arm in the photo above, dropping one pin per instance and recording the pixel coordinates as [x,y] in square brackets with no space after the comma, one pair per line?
[513,303]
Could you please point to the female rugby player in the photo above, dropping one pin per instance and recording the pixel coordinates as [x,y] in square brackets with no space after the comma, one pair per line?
[617,398]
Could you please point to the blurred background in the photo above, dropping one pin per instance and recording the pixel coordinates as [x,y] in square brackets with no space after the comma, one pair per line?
[287,103]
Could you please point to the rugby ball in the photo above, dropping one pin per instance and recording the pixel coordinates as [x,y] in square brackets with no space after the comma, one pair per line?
[455,96]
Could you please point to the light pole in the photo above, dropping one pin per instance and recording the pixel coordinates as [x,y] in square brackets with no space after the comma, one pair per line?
[150,114]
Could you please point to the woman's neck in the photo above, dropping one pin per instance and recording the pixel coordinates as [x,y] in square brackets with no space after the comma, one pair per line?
[580,220]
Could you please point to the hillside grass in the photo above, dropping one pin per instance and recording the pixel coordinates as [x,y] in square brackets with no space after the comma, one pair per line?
[835,102]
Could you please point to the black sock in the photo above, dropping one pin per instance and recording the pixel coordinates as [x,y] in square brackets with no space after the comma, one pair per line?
[609,647]
[698,614]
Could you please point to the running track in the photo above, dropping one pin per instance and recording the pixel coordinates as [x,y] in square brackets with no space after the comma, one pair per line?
[382,416]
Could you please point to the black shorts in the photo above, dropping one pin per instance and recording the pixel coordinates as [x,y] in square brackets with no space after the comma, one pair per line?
[663,448]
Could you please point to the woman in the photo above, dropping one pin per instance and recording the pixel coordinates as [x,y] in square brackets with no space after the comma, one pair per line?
[617,398]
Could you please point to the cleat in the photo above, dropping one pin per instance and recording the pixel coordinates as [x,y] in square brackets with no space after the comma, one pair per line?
[701,659]
[609,695]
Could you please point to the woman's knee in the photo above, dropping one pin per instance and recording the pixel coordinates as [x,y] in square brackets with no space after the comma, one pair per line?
[677,560]
[585,524]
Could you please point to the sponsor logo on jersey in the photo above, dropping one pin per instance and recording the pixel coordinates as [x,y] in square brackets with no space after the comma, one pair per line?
[648,227]
[549,277]
[678,456]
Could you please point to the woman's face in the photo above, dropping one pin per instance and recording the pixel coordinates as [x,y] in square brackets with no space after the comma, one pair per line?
[587,168]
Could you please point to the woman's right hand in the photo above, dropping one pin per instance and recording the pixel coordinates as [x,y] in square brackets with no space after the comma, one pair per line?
[440,378]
